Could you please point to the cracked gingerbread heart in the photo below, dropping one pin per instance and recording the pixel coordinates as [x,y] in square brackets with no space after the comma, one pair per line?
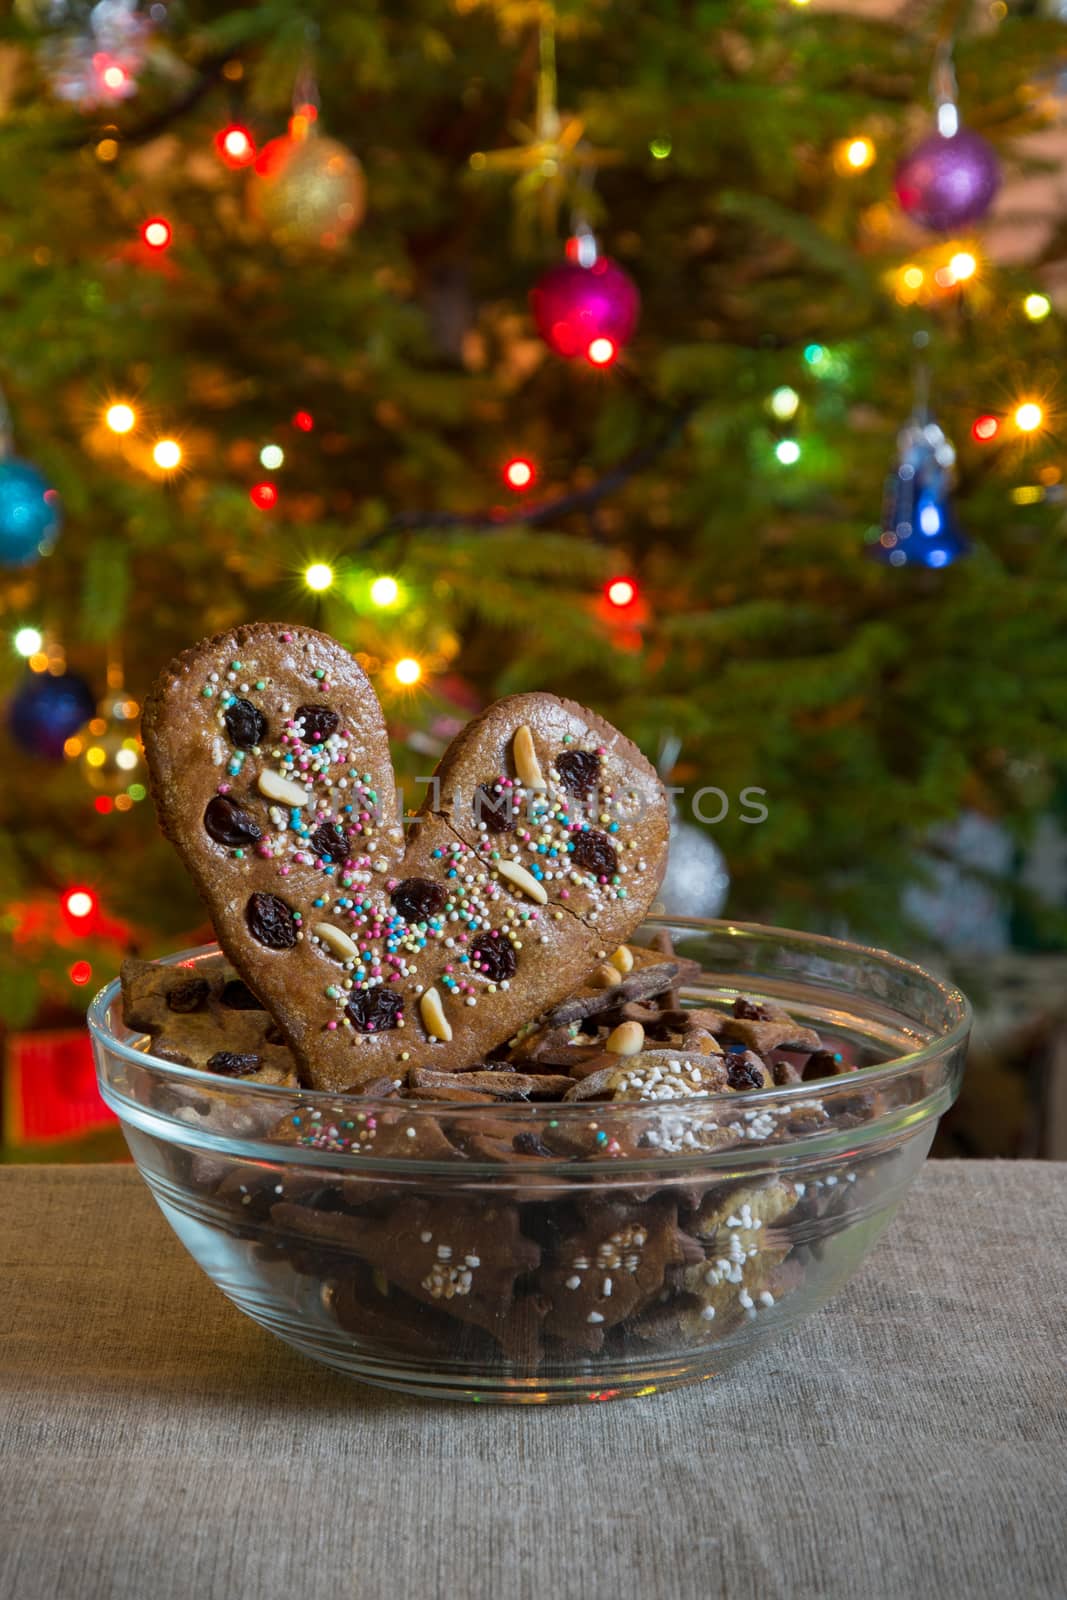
[379,947]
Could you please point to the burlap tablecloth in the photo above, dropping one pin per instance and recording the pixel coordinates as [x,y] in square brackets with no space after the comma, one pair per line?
[909,1441]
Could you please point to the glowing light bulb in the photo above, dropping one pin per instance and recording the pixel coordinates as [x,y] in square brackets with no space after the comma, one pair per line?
[784,403]
[1029,416]
[1037,307]
[787,452]
[80,973]
[236,146]
[660,149]
[912,277]
[79,903]
[157,233]
[407,671]
[318,576]
[620,592]
[962,266]
[304,421]
[519,474]
[126,759]
[264,496]
[114,77]
[271,456]
[167,454]
[602,351]
[948,120]
[855,155]
[28,641]
[985,428]
[120,418]
[384,592]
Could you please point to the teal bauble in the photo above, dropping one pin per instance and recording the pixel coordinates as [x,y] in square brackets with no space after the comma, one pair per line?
[29,514]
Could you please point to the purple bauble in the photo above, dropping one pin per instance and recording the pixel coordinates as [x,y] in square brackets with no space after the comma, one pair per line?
[586,311]
[947,182]
[46,710]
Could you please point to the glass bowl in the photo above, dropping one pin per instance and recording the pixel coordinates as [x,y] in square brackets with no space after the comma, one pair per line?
[533,1252]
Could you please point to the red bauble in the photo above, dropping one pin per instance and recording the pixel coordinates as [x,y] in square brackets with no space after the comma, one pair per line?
[577,308]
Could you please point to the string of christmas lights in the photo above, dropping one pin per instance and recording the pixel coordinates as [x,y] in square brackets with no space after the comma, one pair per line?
[585,307]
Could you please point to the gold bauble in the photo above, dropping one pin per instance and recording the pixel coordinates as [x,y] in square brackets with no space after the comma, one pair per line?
[108,748]
[308,192]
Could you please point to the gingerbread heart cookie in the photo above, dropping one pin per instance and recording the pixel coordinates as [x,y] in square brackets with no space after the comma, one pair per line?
[378,949]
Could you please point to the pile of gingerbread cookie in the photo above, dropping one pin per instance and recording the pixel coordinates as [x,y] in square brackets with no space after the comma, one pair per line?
[625,1035]
[462,985]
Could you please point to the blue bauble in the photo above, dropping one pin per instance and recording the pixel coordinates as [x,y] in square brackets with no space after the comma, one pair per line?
[29,513]
[46,710]
[925,527]
[919,527]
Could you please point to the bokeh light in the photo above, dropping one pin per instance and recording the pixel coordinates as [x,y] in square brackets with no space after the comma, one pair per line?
[79,903]
[602,351]
[384,591]
[519,473]
[787,452]
[318,576]
[855,154]
[236,145]
[120,417]
[1029,416]
[985,428]
[784,403]
[167,454]
[1037,307]
[271,456]
[28,641]
[157,233]
[620,592]
[819,359]
[407,671]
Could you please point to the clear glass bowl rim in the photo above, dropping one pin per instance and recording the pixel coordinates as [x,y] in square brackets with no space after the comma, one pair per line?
[956,1005]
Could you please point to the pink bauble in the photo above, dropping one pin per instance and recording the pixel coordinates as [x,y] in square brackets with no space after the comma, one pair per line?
[946,183]
[575,307]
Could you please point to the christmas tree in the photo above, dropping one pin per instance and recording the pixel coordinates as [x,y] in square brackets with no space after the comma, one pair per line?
[265,274]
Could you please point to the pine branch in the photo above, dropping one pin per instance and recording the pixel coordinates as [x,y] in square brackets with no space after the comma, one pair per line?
[561,506]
